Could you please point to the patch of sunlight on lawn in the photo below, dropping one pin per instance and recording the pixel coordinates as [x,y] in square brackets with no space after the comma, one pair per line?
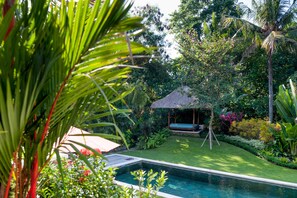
[184,146]
[236,158]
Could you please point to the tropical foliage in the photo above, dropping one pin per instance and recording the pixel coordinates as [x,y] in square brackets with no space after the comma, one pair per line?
[152,81]
[66,63]
[286,103]
[250,128]
[271,23]
[154,140]
[79,181]
[209,65]
[60,62]
[195,15]
[149,182]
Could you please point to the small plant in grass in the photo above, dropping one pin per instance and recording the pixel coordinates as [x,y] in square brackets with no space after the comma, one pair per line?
[149,183]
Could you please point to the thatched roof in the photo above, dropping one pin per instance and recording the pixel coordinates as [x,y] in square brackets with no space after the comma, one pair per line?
[179,98]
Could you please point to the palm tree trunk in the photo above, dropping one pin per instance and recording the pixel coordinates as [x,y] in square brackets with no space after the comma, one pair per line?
[270,85]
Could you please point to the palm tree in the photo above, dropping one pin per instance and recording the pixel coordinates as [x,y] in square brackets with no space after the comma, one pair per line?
[61,64]
[271,21]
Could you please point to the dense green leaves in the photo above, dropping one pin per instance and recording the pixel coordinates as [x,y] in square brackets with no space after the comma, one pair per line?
[192,14]
[267,24]
[58,68]
[286,103]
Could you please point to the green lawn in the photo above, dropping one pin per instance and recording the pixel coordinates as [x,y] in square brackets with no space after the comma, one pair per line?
[188,151]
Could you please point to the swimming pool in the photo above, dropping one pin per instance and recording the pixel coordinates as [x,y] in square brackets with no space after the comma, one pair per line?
[185,181]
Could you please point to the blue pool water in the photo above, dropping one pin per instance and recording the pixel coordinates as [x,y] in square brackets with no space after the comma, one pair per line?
[192,183]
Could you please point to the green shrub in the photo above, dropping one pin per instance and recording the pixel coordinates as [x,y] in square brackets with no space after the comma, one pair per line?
[258,144]
[286,103]
[265,134]
[78,180]
[154,140]
[285,139]
[151,181]
[253,129]
[284,159]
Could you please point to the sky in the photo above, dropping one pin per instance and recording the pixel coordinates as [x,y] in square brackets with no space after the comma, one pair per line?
[167,7]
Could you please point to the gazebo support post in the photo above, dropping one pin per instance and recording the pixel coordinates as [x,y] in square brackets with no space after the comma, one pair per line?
[193,116]
[169,119]
[193,119]
[210,132]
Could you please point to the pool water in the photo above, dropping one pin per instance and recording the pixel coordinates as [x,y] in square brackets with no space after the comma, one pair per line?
[192,183]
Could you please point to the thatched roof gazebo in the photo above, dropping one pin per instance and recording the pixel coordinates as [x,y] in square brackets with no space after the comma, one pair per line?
[179,98]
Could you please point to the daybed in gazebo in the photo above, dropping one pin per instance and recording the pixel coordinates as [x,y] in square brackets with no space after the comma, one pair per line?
[180,99]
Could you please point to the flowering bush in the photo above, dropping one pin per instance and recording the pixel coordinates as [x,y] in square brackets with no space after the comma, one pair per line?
[78,180]
[254,129]
[227,120]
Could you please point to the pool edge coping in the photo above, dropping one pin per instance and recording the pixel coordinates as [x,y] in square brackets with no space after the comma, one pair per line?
[240,176]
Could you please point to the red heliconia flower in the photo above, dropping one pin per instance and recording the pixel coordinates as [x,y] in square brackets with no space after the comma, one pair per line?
[98,150]
[86,152]
[81,179]
[87,172]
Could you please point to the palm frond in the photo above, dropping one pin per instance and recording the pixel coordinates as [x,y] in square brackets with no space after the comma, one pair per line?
[59,65]
[286,13]
[292,32]
[240,22]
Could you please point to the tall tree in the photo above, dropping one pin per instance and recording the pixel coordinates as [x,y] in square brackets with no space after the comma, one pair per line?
[153,76]
[154,30]
[191,15]
[58,63]
[271,22]
[152,81]
[210,71]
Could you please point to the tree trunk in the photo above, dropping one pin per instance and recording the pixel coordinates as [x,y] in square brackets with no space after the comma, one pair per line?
[210,129]
[270,85]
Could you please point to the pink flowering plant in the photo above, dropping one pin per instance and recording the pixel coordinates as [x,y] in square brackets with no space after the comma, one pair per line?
[228,118]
